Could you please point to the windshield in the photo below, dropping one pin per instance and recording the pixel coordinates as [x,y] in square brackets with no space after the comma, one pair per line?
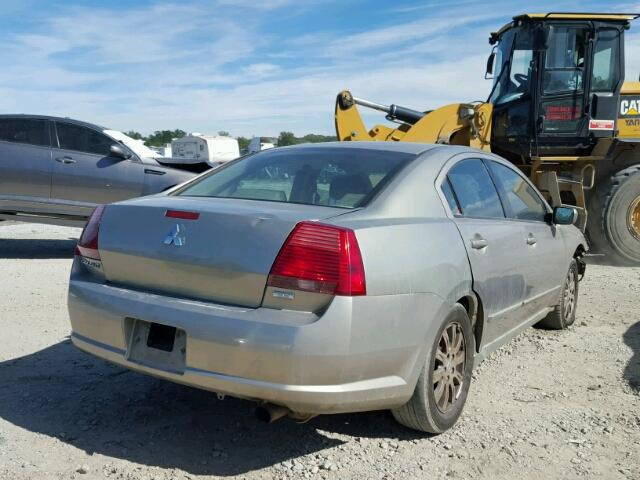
[329,177]
[137,146]
[514,66]
[501,62]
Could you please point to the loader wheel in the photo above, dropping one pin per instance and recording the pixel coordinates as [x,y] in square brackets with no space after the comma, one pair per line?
[617,231]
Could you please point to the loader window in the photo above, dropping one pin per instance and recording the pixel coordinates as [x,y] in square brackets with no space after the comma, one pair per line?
[514,64]
[501,69]
[606,61]
[564,60]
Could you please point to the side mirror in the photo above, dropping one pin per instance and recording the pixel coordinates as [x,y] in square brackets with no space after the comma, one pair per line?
[564,215]
[541,38]
[490,61]
[117,151]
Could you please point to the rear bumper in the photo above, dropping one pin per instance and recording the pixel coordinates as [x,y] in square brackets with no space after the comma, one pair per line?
[356,396]
[363,353]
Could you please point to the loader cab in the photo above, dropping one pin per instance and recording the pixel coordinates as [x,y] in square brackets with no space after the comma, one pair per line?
[556,83]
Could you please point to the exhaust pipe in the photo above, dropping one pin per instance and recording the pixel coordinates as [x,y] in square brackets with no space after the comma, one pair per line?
[269,413]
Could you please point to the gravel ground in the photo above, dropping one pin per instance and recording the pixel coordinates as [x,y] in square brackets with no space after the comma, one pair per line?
[548,405]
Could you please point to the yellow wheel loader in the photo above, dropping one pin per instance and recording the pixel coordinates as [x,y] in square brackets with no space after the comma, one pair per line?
[559,109]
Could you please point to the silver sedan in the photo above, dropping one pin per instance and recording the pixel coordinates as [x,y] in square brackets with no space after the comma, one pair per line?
[328,278]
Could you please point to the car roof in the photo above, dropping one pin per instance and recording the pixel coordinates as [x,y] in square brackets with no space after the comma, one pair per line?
[401,147]
[436,154]
[48,117]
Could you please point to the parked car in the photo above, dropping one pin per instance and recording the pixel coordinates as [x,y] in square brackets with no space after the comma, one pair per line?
[56,170]
[359,276]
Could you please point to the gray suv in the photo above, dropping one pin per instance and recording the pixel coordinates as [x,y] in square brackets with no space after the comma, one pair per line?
[56,170]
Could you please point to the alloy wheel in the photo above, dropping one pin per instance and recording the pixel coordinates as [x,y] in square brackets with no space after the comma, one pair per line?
[569,294]
[634,218]
[448,373]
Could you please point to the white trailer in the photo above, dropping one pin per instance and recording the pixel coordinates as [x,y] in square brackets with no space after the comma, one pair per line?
[258,144]
[199,152]
[165,151]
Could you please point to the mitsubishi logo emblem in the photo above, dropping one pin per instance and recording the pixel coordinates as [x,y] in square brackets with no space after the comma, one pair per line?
[176,236]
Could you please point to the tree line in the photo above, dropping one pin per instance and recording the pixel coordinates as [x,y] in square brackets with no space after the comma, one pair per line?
[159,138]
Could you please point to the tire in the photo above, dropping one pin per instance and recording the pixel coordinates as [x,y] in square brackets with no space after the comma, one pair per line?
[615,229]
[564,313]
[422,412]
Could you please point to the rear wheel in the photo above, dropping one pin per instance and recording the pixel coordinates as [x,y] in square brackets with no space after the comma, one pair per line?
[442,387]
[615,228]
[564,313]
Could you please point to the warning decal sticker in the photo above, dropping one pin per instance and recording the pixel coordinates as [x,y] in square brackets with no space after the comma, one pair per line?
[602,124]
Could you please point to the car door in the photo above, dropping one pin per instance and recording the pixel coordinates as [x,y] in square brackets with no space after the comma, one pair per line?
[25,162]
[494,246]
[543,245]
[84,173]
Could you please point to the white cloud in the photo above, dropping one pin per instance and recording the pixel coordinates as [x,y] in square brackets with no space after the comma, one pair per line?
[204,67]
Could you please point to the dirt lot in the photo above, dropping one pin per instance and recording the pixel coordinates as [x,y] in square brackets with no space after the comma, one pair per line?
[549,405]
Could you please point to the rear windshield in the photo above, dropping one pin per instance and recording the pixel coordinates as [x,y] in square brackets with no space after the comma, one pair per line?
[345,178]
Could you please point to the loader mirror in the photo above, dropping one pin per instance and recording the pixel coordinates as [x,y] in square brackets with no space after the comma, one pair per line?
[540,38]
[490,61]
[564,215]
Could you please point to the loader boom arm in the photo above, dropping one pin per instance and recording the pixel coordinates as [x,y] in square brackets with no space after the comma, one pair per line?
[456,124]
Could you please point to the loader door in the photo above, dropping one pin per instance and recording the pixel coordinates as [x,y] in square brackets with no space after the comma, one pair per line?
[606,82]
[512,99]
[562,122]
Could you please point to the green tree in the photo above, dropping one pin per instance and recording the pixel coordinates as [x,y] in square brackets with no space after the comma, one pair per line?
[287,138]
[243,142]
[223,133]
[134,134]
[315,138]
[162,137]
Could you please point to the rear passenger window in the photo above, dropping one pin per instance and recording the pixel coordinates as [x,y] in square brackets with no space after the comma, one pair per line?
[474,189]
[82,139]
[19,130]
[524,203]
[450,196]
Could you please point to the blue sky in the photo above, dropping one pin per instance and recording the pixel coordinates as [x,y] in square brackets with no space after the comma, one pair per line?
[250,67]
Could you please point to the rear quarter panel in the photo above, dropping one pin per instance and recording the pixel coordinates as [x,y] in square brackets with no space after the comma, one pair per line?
[415,264]
[415,256]
[408,243]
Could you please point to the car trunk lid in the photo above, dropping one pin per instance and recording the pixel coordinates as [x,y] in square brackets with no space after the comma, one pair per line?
[224,255]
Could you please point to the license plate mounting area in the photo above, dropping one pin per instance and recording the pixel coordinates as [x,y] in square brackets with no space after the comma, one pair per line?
[156,345]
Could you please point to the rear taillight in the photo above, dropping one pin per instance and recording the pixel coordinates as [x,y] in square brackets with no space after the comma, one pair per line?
[320,258]
[88,243]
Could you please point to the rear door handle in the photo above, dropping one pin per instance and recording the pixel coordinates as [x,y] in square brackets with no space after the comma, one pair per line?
[65,160]
[479,243]
[531,240]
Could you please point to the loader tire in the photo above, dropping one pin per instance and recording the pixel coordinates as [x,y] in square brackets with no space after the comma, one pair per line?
[614,228]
